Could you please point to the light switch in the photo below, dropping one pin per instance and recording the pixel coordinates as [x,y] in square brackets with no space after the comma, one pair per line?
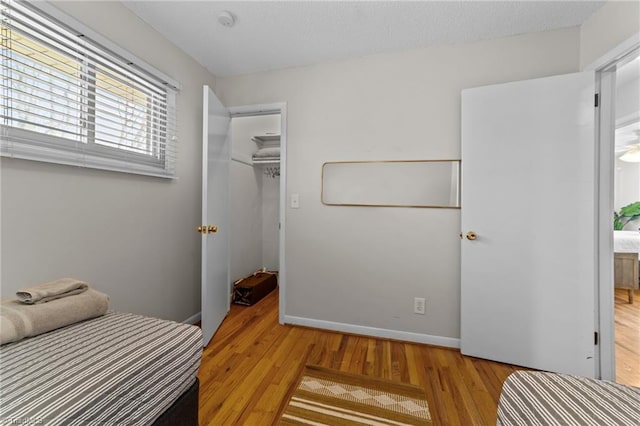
[295,201]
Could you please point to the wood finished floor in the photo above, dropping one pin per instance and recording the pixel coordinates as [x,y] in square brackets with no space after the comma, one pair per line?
[252,361]
[627,318]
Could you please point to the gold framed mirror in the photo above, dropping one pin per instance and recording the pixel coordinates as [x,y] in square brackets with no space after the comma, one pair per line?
[393,183]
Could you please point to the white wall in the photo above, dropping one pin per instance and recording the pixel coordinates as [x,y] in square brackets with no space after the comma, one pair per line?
[609,26]
[627,175]
[363,266]
[251,198]
[246,220]
[627,184]
[628,97]
[270,221]
[132,237]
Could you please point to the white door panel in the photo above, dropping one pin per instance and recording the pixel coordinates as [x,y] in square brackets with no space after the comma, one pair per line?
[215,212]
[528,192]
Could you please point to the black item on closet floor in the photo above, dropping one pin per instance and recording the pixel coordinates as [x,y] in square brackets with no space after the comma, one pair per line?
[251,289]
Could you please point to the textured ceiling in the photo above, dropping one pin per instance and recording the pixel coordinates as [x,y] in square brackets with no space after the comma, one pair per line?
[279,34]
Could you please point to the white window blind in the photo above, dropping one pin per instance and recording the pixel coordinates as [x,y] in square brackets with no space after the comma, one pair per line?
[66,98]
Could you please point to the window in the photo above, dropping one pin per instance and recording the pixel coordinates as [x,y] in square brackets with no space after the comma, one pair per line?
[66,98]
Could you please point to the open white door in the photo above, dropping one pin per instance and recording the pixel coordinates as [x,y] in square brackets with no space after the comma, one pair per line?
[216,156]
[528,195]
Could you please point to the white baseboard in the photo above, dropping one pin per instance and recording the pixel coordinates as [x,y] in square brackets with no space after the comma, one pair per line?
[428,339]
[193,319]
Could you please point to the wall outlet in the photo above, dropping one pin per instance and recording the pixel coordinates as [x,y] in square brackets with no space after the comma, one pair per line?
[419,305]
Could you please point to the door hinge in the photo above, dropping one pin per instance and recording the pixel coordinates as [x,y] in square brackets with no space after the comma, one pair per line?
[597,100]
[595,338]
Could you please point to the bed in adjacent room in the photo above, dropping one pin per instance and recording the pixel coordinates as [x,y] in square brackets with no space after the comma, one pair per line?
[626,246]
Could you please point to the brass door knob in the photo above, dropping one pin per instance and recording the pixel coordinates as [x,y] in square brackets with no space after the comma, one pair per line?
[471,236]
[203,229]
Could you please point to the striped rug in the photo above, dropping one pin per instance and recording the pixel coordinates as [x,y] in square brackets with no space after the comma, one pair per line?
[329,397]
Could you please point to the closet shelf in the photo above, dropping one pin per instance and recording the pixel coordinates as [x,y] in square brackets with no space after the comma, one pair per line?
[267,160]
[268,149]
[266,138]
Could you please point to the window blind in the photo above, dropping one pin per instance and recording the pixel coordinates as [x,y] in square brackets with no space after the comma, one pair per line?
[66,98]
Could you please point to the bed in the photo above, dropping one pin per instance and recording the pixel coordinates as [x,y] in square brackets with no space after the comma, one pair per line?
[540,398]
[626,246]
[115,369]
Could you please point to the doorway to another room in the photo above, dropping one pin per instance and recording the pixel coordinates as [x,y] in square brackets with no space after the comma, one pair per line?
[627,220]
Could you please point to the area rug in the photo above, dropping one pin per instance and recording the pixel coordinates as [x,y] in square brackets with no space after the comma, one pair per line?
[324,396]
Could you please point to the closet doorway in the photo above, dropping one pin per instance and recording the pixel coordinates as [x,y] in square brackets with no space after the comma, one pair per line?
[257,192]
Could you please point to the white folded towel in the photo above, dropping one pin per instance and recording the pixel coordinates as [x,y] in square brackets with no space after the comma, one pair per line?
[267,152]
[19,320]
[52,290]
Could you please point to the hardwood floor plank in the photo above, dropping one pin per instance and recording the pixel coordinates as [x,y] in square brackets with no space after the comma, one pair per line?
[627,329]
[399,371]
[359,356]
[412,366]
[252,364]
[484,404]
[369,360]
[444,410]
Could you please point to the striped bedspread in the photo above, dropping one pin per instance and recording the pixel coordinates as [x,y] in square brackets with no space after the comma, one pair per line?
[118,369]
[538,398]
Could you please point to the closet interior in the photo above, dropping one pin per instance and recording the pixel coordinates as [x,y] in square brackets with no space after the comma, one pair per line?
[255,195]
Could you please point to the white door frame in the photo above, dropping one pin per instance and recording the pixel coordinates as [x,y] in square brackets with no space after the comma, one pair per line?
[268,109]
[605,141]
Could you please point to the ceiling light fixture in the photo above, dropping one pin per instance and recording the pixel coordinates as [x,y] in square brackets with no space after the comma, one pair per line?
[633,153]
[225,18]
[632,156]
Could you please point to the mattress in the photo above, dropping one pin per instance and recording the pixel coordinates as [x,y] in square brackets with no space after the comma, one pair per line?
[112,370]
[538,398]
[626,241]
